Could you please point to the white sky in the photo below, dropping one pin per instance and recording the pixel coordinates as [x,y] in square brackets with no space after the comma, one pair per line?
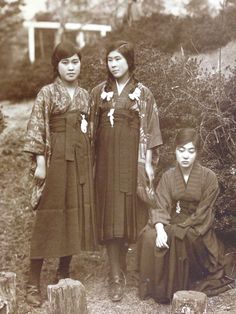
[32,7]
[172,6]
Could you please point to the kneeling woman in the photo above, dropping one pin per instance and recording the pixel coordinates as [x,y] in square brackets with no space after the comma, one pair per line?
[178,249]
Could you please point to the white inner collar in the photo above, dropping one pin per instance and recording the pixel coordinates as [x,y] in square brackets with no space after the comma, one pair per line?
[121,86]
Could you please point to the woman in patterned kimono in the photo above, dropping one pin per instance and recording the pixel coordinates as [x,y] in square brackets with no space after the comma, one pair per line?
[58,142]
[178,248]
[126,135]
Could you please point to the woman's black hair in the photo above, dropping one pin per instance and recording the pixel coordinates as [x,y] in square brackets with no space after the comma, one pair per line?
[65,49]
[127,50]
[187,135]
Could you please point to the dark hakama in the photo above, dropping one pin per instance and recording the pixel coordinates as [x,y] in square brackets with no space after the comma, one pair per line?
[194,259]
[64,220]
[120,153]
[64,203]
[116,174]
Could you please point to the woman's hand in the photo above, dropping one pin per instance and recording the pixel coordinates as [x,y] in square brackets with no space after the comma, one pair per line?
[161,239]
[40,171]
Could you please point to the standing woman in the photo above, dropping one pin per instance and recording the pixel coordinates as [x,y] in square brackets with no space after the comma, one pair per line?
[58,142]
[126,134]
[178,248]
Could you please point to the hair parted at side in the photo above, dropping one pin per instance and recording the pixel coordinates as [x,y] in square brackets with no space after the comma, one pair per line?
[127,50]
[187,135]
[64,49]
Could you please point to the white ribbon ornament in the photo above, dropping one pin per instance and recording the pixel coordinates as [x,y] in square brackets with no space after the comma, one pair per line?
[108,96]
[178,208]
[84,124]
[111,116]
[136,94]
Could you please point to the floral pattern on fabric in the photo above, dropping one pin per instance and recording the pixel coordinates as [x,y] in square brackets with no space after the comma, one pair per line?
[51,100]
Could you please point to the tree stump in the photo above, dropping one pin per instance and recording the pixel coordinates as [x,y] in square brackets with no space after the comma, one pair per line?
[67,297]
[3,306]
[189,302]
[8,293]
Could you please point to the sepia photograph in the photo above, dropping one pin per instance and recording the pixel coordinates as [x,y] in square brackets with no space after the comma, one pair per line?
[118,156]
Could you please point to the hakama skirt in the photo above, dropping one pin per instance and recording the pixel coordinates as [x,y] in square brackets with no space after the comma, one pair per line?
[116,150]
[65,221]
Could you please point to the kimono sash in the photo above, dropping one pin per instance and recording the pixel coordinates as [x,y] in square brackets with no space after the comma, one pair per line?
[185,209]
[70,124]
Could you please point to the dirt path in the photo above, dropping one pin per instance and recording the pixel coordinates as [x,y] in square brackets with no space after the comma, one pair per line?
[16,115]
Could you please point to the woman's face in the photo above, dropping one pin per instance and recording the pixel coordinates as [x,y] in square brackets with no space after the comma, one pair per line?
[117,65]
[186,155]
[69,68]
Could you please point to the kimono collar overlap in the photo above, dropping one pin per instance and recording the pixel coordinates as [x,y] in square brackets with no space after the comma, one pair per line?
[193,180]
[61,86]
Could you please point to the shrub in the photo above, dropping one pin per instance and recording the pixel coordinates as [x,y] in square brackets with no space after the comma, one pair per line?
[25,81]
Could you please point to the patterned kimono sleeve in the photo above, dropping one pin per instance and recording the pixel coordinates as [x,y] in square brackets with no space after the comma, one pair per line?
[161,212]
[154,137]
[202,220]
[91,114]
[36,129]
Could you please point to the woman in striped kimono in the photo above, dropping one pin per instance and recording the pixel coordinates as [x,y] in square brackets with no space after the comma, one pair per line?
[178,248]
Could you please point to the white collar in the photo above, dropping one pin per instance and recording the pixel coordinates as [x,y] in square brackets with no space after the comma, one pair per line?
[120,87]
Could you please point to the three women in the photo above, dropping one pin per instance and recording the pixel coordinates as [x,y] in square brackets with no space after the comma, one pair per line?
[182,248]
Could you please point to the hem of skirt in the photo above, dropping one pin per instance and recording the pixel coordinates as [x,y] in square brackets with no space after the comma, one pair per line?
[131,241]
[54,255]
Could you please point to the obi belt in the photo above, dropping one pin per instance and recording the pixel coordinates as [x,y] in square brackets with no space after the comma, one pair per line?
[76,142]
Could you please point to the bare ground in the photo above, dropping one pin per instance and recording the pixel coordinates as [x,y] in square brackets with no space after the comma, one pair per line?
[16,221]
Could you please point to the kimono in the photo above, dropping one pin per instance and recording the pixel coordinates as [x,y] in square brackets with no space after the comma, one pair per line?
[194,259]
[123,128]
[64,202]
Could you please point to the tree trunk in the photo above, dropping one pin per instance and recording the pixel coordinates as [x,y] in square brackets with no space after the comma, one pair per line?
[189,302]
[8,293]
[68,296]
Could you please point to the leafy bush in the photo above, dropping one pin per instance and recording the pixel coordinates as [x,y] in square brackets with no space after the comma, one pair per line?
[26,81]
[185,96]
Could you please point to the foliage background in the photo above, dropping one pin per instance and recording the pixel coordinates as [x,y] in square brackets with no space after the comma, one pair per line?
[186,95]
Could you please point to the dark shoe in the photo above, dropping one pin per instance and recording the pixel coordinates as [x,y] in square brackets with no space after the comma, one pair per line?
[117,287]
[61,275]
[33,296]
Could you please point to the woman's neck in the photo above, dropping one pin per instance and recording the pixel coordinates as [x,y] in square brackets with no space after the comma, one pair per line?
[186,172]
[70,87]
[121,85]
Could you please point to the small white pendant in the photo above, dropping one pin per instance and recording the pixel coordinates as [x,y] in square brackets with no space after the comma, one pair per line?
[111,116]
[178,208]
[84,124]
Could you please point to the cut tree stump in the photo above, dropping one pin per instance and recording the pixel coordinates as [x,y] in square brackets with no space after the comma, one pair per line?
[189,302]
[3,306]
[67,297]
[8,293]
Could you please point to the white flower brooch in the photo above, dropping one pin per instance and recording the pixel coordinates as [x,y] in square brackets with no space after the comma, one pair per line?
[136,94]
[107,95]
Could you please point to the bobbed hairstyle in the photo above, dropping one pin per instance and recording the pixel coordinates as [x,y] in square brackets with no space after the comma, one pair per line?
[65,49]
[187,135]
